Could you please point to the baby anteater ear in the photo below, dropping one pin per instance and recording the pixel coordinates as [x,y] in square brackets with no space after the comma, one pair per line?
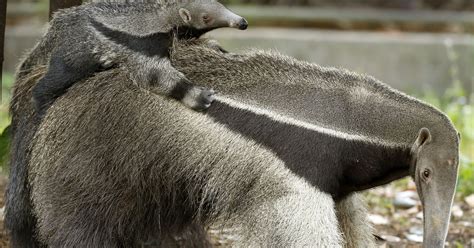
[185,15]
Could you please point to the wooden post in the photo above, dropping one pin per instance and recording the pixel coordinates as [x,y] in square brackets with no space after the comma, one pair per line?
[3,21]
[61,4]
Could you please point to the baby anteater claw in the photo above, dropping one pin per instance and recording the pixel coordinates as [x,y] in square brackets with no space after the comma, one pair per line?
[205,98]
[198,98]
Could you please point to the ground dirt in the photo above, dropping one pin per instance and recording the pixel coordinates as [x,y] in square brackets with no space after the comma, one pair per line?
[399,222]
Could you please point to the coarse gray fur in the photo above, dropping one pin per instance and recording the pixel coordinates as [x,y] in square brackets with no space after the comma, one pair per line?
[223,176]
[347,108]
[92,193]
[94,36]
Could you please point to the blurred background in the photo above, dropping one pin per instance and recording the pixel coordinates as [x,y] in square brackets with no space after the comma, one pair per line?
[422,47]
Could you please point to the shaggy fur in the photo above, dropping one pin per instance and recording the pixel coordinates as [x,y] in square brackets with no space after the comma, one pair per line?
[353,222]
[19,219]
[184,178]
[204,191]
[354,110]
[161,175]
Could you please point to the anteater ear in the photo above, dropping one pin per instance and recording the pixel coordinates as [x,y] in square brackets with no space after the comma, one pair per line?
[424,136]
[185,15]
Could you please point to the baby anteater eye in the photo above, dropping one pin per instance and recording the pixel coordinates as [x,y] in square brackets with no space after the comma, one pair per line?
[206,18]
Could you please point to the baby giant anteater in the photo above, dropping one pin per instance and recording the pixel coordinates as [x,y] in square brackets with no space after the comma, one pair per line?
[94,36]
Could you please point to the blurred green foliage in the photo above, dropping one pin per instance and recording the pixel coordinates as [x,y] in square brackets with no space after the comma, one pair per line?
[7,82]
[4,150]
[459,106]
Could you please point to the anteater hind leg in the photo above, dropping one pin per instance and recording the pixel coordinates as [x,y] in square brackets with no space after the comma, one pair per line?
[165,79]
[353,221]
[64,70]
[298,215]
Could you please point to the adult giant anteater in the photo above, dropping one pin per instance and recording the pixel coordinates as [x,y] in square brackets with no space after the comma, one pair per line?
[348,132]
[116,177]
[258,161]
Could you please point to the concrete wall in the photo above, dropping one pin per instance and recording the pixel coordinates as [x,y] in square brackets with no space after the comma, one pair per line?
[410,62]
[18,41]
[407,61]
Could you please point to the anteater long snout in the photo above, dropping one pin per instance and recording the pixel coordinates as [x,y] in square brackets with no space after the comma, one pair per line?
[243,24]
[234,20]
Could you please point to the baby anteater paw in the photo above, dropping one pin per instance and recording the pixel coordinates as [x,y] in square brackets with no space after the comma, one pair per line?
[198,98]
[204,99]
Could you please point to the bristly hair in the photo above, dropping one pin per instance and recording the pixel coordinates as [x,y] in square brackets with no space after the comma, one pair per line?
[165,3]
[125,1]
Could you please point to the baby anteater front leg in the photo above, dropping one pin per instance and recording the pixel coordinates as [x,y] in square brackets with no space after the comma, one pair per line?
[165,79]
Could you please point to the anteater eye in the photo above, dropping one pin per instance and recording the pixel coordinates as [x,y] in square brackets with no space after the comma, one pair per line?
[206,17]
[426,173]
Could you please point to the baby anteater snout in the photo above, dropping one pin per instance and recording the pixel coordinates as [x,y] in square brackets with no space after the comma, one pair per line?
[243,24]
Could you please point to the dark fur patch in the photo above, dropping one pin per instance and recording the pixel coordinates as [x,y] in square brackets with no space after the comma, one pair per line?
[335,165]
[189,32]
[181,89]
[157,44]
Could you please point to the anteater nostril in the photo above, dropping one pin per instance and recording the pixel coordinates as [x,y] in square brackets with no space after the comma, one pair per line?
[243,24]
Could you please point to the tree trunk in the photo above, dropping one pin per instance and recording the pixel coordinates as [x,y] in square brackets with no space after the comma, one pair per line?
[3,20]
[61,4]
